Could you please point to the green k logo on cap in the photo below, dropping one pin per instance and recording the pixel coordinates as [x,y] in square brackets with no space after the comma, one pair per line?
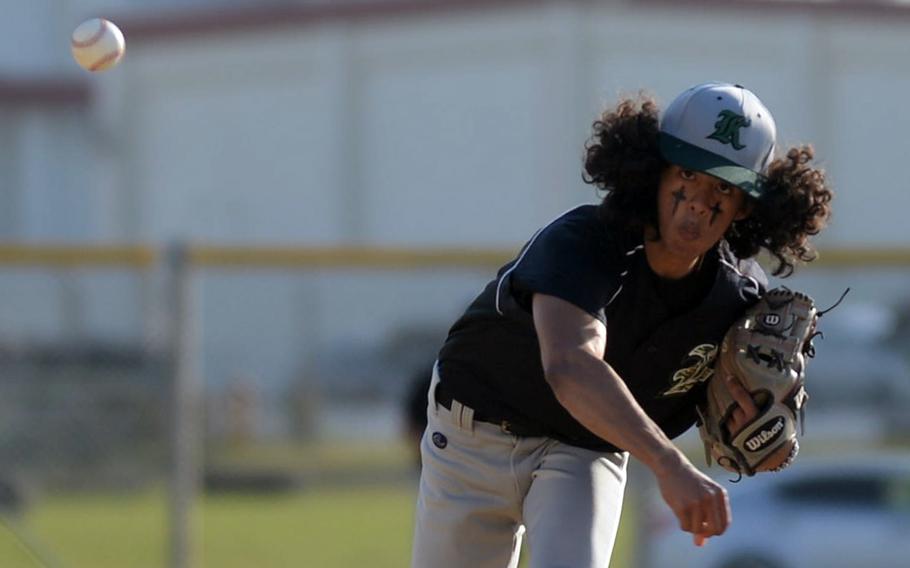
[723,130]
[726,129]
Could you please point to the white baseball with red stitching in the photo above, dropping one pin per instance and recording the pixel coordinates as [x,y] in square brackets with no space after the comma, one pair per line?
[97,44]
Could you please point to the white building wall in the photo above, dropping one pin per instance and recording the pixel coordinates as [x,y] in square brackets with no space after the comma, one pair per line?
[363,131]
[240,150]
[55,205]
[32,37]
[368,132]
[867,130]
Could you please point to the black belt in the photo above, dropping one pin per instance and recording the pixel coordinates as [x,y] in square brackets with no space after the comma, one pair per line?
[445,398]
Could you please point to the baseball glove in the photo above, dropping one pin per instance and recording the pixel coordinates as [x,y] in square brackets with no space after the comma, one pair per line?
[766,350]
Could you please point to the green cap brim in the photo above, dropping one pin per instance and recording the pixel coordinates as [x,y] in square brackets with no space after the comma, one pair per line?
[692,157]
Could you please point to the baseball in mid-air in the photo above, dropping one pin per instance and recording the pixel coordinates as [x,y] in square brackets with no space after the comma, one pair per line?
[97,45]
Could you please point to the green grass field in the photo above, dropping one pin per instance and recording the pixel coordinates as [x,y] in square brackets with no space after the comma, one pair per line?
[321,528]
[332,522]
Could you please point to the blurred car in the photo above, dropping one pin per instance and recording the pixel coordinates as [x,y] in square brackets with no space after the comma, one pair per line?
[859,382]
[857,392]
[820,513]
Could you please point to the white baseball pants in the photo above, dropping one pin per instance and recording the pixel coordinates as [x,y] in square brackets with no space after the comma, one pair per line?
[481,488]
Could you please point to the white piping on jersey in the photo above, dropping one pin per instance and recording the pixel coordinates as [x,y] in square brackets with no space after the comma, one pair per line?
[613,297]
[623,274]
[502,278]
[524,252]
[741,275]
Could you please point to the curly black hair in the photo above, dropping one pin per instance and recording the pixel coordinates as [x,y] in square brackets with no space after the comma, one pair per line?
[623,159]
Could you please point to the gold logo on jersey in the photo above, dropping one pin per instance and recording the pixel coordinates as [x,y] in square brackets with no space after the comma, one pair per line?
[702,358]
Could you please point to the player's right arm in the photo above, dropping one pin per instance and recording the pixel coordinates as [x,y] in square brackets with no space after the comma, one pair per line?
[572,345]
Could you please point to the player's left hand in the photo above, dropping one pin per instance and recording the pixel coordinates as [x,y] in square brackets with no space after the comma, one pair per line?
[754,402]
[744,413]
[746,409]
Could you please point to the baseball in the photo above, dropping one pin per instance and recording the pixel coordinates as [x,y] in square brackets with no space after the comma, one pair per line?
[97,45]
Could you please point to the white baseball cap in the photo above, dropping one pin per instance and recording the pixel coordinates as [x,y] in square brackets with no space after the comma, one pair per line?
[722,130]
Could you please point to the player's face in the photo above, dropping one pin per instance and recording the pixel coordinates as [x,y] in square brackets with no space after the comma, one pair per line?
[695,210]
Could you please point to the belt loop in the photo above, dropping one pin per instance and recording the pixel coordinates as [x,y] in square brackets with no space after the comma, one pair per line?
[462,416]
[455,411]
[467,417]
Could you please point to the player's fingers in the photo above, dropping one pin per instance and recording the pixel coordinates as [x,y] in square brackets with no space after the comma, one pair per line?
[712,520]
[737,415]
[741,396]
[708,519]
[721,512]
[691,517]
[713,524]
[696,522]
[710,515]
[685,520]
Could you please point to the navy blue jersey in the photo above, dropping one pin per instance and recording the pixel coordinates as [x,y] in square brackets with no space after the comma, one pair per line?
[662,336]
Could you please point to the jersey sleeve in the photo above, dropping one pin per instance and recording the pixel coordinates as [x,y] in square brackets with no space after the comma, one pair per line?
[570,259]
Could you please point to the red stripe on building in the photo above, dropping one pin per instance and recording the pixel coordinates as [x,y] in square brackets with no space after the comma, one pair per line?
[43,92]
[202,21]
